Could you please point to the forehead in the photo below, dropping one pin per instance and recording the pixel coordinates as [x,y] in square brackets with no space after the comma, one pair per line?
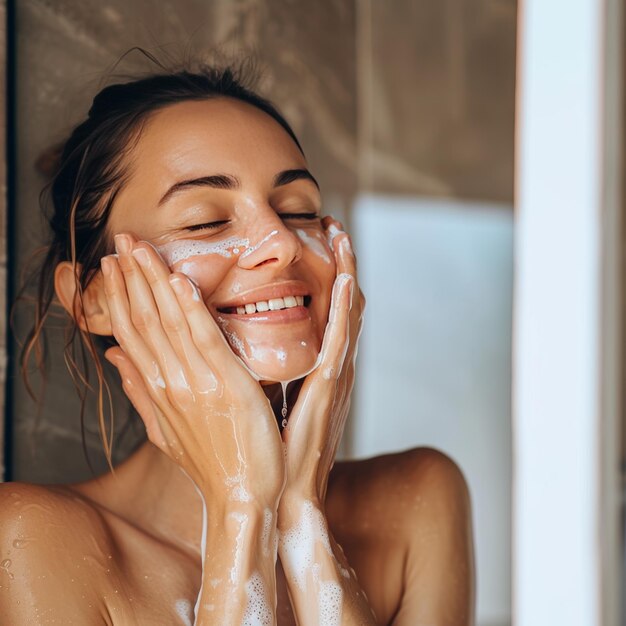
[220,135]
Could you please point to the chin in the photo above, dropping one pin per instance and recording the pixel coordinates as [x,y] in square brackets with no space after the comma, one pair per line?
[272,364]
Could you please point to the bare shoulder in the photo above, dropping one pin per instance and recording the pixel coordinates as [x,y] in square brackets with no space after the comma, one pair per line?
[409,487]
[407,516]
[38,511]
[53,544]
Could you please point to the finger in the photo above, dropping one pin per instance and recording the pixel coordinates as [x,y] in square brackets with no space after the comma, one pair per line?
[135,389]
[205,332]
[327,220]
[336,335]
[172,317]
[346,261]
[158,429]
[125,332]
[145,318]
[341,244]
[346,264]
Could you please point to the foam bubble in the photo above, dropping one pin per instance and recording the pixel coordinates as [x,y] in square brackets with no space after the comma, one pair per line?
[298,543]
[330,603]
[258,611]
[242,521]
[250,249]
[183,249]
[331,233]
[267,528]
[184,611]
[298,553]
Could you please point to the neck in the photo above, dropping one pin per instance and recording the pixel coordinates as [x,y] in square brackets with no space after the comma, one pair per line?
[152,492]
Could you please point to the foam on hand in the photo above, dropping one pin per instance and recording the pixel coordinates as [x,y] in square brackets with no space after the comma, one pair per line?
[298,552]
[258,611]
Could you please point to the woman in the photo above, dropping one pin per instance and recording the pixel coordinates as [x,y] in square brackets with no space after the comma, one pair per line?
[187,227]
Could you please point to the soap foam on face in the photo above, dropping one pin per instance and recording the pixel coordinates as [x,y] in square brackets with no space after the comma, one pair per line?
[315,244]
[251,249]
[183,249]
[276,356]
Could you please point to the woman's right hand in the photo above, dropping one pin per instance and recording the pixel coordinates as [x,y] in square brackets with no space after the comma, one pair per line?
[198,402]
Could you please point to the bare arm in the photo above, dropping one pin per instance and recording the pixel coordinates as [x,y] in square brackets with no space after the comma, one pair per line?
[322,586]
[239,568]
[202,409]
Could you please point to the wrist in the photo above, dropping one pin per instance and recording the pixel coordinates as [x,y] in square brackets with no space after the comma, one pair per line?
[296,503]
[232,522]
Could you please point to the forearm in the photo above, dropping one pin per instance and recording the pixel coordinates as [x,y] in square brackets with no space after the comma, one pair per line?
[322,586]
[239,567]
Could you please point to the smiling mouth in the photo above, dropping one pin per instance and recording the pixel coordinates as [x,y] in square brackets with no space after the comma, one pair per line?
[268,306]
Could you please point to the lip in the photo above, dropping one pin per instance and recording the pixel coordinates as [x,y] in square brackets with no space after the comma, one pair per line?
[266,292]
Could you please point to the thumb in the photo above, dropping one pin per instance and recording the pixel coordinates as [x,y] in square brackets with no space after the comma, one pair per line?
[137,392]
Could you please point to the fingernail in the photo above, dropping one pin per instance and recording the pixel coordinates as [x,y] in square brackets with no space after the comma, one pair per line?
[113,359]
[331,233]
[122,244]
[141,256]
[105,265]
[177,285]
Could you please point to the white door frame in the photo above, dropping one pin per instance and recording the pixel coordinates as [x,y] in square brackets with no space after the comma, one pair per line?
[567,335]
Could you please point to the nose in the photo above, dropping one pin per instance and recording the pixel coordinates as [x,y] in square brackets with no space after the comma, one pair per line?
[271,243]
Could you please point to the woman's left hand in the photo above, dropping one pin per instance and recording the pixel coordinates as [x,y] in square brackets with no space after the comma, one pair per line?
[322,586]
[317,420]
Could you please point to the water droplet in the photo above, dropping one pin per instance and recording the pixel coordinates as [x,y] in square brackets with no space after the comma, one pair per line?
[21,543]
[5,566]
[284,409]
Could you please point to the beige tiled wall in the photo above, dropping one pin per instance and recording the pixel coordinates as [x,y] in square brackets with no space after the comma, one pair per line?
[436,98]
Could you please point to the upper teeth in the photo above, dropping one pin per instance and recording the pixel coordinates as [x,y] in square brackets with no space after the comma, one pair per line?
[275,304]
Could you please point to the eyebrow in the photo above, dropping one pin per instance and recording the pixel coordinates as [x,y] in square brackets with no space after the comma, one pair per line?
[226,181]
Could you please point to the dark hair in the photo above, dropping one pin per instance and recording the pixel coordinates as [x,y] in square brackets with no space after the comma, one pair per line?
[90,171]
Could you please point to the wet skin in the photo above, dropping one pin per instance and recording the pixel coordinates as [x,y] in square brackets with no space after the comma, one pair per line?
[129,545]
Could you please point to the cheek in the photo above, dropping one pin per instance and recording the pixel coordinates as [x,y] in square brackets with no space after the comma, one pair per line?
[206,263]
[321,261]
[206,271]
[314,241]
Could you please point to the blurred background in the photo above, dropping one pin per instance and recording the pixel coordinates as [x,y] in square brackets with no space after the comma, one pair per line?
[406,114]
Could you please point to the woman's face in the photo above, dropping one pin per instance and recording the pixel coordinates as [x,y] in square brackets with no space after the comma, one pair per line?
[222,191]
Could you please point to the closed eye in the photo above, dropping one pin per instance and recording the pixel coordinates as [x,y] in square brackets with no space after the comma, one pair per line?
[284,216]
[299,216]
[207,226]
